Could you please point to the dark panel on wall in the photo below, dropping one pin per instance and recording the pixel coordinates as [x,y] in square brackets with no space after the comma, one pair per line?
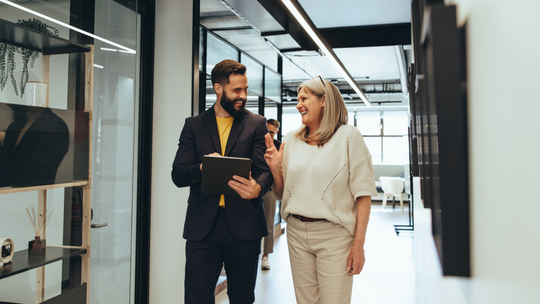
[441,107]
[146,9]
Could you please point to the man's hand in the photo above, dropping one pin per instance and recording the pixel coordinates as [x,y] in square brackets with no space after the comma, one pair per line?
[246,188]
[213,154]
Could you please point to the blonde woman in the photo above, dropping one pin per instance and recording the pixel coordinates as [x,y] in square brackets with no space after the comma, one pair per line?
[324,178]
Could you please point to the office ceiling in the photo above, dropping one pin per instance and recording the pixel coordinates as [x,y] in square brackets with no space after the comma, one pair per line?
[370,37]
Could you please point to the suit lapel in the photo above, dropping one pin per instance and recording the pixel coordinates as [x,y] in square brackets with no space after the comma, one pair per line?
[237,126]
[211,124]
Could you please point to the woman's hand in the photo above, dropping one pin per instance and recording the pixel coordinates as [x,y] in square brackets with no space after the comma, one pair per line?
[356,260]
[273,157]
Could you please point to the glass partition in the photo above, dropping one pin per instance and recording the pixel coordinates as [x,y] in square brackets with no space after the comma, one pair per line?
[254,73]
[272,85]
[65,123]
[217,50]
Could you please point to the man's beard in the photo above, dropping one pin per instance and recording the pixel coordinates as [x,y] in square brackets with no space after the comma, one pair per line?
[228,105]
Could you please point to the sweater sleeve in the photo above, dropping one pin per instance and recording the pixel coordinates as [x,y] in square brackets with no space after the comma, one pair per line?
[361,177]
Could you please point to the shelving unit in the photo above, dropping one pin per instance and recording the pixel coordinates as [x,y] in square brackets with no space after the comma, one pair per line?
[20,36]
[15,34]
[23,262]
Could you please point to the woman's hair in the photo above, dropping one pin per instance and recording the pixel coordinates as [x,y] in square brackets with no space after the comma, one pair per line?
[334,113]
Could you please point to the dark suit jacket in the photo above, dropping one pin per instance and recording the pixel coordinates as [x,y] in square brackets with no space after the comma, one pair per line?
[200,137]
[35,160]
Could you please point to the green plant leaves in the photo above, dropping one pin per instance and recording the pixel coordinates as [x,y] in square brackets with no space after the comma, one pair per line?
[7,56]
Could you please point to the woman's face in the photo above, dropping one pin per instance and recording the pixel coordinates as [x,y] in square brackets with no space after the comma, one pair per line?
[311,108]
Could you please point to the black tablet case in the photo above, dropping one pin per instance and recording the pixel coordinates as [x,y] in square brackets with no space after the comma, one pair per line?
[218,170]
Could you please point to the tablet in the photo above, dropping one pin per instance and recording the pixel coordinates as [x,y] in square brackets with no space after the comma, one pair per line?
[217,171]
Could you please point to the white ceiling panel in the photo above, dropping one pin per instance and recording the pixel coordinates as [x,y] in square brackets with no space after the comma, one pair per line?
[377,63]
[344,13]
[283,41]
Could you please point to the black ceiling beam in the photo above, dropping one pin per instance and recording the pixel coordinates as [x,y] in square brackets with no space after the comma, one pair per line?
[273,33]
[360,36]
[365,36]
[281,14]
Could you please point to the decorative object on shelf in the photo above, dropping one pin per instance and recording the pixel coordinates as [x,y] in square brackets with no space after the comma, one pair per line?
[38,246]
[36,94]
[7,55]
[7,249]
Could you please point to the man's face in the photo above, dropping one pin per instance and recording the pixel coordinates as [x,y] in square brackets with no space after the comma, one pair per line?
[272,130]
[234,96]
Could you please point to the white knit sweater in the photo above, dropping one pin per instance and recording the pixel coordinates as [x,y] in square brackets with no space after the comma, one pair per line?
[324,182]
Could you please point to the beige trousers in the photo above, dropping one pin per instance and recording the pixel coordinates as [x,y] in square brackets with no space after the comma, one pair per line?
[318,252]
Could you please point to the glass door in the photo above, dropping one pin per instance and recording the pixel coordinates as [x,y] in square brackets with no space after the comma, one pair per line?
[116,86]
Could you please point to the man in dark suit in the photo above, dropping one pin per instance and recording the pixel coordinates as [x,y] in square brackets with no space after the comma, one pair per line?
[34,146]
[223,229]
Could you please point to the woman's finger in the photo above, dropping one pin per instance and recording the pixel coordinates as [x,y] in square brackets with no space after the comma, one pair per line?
[268,141]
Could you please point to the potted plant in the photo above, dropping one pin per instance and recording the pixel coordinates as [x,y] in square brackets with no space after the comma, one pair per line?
[7,56]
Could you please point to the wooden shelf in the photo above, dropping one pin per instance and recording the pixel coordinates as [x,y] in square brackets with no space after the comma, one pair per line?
[44,187]
[23,262]
[19,35]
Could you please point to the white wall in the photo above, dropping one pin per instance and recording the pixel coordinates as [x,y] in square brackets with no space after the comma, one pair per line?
[504,163]
[172,104]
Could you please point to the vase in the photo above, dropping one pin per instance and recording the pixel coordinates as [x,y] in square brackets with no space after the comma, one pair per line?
[36,94]
[37,246]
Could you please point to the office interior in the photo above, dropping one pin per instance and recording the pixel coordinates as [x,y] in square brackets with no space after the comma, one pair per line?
[151,60]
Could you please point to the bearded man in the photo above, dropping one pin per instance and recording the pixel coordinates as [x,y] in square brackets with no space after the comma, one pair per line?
[223,229]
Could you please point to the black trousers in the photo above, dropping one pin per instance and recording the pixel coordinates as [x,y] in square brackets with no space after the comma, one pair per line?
[204,260]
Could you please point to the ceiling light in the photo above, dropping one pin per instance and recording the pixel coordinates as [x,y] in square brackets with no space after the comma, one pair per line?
[328,52]
[98,66]
[66,25]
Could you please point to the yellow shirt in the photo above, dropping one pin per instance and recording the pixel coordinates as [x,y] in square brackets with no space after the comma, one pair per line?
[224,128]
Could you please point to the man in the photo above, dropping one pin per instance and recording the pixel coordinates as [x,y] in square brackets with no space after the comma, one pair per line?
[223,229]
[270,205]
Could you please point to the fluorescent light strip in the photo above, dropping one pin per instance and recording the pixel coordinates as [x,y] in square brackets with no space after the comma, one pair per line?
[98,66]
[325,50]
[66,25]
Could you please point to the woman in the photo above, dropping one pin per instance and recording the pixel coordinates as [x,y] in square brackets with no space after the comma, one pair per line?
[324,178]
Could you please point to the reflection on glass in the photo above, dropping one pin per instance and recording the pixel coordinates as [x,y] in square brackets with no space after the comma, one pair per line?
[218,51]
[272,85]
[254,74]
[33,146]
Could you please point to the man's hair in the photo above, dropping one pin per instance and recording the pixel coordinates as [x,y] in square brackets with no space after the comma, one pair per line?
[273,122]
[223,70]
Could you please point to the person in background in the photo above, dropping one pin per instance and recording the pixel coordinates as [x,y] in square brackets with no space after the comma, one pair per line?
[270,204]
[323,176]
[223,229]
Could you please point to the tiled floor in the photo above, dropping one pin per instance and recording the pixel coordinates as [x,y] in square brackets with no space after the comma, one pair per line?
[387,278]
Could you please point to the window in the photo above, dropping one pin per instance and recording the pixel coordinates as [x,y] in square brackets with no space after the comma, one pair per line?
[385,133]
